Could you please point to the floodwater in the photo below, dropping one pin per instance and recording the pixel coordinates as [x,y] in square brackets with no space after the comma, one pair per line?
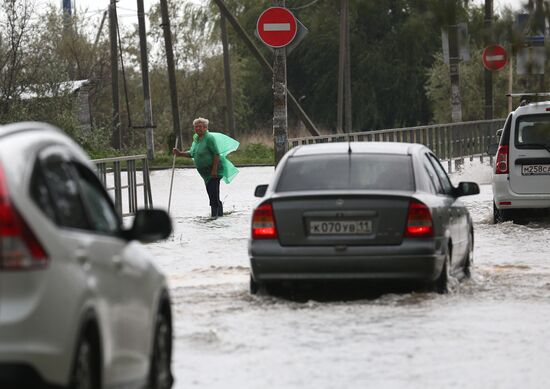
[491,332]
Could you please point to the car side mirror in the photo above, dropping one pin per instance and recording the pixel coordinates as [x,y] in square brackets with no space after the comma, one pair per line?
[150,225]
[260,190]
[466,189]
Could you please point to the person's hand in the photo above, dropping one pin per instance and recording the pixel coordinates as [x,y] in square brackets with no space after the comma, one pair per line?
[175,152]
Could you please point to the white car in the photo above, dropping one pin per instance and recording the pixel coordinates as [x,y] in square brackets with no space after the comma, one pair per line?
[81,303]
[521,178]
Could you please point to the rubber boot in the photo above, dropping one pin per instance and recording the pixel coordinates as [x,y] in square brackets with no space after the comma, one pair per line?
[220,209]
[214,211]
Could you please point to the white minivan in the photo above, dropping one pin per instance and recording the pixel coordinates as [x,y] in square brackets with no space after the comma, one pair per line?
[521,177]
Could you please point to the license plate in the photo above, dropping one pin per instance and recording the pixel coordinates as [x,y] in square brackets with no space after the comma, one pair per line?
[340,227]
[534,170]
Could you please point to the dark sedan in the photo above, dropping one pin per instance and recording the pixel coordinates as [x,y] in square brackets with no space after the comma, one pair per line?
[360,211]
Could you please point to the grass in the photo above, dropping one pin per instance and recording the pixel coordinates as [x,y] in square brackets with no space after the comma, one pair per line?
[253,150]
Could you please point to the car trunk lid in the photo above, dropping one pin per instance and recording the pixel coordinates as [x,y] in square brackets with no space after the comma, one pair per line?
[341,219]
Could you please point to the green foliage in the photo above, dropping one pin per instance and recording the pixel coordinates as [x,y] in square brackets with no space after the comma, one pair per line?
[253,153]
[392,45]
[472,74]
[398,76]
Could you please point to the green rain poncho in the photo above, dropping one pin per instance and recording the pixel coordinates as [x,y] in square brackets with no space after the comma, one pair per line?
[203,150]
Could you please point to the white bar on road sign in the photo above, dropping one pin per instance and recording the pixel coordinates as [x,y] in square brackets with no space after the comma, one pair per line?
[498,57]
[276,26]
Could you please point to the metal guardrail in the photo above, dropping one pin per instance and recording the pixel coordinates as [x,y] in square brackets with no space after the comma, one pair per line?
[114,165]
[449,142]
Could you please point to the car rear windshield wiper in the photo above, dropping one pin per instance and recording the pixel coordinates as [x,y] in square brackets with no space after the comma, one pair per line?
[534,145]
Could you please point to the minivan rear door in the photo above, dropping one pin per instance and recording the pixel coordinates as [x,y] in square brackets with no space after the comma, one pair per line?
[529,162]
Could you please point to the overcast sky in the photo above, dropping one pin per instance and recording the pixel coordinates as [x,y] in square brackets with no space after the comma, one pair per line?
[127,9]
[129,6]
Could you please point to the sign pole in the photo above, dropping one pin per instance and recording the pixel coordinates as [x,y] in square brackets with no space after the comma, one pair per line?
[277,28]
[280,114]
[488,73]
[510,82]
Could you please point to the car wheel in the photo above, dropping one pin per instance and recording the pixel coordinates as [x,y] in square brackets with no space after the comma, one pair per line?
[84,374]
[161,370]
[442,282]
[501,215]
[467,267]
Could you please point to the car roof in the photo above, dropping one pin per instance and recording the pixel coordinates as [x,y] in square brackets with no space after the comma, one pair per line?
[358,147]
[13,128]
[45,133]
[533,108]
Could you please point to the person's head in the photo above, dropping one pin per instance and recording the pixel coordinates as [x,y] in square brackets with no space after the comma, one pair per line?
[200,125]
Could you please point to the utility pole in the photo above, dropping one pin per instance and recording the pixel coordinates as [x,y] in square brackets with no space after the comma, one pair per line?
[116,139]
[454,59]
[347,75]
[147,107]
[540,29]
[341,71]
[98,35]
[280,117]
[344,77]
[171,70]
[67,15]
[488,73]
[227,77]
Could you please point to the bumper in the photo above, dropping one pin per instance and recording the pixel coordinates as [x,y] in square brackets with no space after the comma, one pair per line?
[418,260]
[503,193]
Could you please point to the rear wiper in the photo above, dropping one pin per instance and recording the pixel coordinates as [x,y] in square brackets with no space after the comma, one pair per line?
[536,145]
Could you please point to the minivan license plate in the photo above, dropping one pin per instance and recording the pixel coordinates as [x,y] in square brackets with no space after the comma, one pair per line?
[340,227]
[533,170]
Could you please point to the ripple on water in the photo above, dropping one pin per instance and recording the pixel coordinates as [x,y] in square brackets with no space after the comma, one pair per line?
[205,338]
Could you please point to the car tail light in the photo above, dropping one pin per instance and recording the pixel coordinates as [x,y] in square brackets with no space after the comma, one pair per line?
[419,221]
[263,223]
[501,165]
[19,248]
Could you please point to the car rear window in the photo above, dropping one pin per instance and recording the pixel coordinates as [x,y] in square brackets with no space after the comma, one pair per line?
[343,171]
[533,131]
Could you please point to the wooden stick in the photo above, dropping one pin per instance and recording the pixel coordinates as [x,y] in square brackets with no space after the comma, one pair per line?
[172,180]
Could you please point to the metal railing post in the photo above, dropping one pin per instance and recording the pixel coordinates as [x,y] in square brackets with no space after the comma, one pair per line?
[115,166]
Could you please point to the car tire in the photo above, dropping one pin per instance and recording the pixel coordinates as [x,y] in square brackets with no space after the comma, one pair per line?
[160,376]
[468,260]
[501,215]
[441,285]
[85,372]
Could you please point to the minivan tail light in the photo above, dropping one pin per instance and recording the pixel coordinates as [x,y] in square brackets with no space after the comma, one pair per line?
[19,247]
[419,221]
[501,164]
[263,222]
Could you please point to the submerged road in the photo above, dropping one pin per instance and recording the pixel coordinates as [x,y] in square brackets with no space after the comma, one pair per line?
[491,332]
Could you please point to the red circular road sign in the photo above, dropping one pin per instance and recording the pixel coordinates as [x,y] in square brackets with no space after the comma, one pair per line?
[494,57]
[276,27]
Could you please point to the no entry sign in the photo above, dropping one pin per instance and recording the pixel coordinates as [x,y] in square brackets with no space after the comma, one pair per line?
[276,27]
[494,57]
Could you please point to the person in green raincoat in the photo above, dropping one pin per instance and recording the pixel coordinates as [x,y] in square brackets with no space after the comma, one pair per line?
[209,151]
